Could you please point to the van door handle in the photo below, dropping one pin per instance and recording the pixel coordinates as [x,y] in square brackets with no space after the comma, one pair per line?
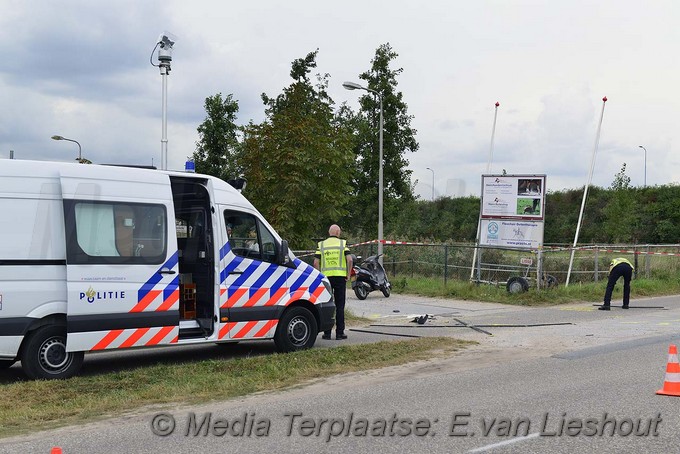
[166,271]
[236,271]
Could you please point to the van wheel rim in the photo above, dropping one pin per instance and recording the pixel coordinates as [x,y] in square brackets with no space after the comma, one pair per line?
[298,331]
[53,356]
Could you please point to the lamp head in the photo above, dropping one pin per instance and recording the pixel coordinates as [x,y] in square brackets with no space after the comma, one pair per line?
[352,86]
[57,138]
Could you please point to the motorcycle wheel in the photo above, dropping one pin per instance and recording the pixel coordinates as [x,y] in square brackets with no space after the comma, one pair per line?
[361,292]
[386,290]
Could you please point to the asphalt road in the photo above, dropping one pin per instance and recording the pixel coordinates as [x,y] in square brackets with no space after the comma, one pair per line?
[556,379]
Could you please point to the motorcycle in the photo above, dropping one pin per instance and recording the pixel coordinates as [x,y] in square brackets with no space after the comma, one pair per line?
[368,276]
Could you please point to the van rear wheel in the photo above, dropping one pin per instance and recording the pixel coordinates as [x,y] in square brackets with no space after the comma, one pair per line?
[45,357]
[297,330]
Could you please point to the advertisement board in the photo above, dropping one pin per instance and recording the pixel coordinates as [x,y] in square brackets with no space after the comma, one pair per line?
[513,197]
[511,233]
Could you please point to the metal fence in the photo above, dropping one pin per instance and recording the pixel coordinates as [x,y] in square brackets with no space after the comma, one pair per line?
[453,262]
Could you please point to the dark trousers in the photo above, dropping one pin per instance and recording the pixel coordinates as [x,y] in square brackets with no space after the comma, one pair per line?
[339,285]
[622,269]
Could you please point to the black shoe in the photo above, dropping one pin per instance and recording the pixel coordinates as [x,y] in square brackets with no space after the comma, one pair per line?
[340,336]
[604,308]
[624,307]
[326,336]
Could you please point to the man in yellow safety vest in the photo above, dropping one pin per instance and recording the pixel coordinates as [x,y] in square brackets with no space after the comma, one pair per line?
[333,259]
[617,268]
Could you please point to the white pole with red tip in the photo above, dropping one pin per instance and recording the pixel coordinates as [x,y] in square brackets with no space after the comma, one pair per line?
[493,134]
[488,170]
[585,191]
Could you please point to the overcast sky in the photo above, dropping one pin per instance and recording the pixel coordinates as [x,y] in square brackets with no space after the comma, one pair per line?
[81,69]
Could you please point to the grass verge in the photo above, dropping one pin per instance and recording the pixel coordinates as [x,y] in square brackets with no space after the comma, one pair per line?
[36,405]
[590,292]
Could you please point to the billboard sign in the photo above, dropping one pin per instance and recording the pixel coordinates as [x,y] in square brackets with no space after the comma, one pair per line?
[512,211]
[511,233]
[513,197]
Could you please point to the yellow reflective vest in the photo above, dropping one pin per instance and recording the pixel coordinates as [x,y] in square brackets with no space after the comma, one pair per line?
[617,261]
[331,253]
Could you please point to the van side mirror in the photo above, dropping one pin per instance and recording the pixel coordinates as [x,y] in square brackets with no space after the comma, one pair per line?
[282,257]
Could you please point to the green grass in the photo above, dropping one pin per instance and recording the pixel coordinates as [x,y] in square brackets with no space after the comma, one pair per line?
[35,405]
[589,292]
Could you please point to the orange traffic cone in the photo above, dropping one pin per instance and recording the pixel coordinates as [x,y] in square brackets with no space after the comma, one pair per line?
[671,386]
[56,450]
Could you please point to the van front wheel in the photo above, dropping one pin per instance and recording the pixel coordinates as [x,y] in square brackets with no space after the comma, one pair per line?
[297,330]
[45,357]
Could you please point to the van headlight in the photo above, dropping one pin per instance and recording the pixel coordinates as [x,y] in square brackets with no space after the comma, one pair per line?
[329,289]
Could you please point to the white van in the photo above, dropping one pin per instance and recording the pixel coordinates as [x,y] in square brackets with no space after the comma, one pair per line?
[97,257]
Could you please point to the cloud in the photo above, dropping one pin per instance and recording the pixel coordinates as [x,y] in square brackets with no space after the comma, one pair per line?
[81,69]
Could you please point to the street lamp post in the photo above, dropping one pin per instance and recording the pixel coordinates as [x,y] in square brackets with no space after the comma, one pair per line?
[432,181]
[645,164]
[80,155]
[354,86]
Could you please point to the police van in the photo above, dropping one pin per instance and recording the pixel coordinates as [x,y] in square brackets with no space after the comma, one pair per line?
[96,257]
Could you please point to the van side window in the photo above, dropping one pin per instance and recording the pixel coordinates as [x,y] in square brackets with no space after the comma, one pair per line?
[248,237]
[113,232]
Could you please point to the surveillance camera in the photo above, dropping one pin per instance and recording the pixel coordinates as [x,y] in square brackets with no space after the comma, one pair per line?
[166,41]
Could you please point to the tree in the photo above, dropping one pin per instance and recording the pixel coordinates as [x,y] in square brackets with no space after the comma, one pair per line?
[621,180]
[398,138]
[218,149]
[298,162]
[622,216]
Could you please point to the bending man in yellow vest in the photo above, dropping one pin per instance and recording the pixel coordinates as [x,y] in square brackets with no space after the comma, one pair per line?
[333,259]
[617,268]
